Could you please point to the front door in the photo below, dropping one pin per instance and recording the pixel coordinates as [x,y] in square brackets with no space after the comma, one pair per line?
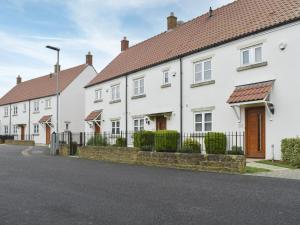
[48,130]
[161,123]
[255,132]
[22,133]
[97,129]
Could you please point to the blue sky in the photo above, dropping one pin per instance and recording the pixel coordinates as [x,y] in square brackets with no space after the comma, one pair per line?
[79,26]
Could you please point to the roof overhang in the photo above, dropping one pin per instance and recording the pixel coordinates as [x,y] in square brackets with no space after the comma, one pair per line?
[46,120]
[164,114]
[94,116]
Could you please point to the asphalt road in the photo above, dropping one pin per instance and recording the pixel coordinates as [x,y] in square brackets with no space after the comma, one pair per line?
[40,189]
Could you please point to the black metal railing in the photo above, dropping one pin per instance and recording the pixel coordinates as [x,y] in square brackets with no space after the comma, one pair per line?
[165,141]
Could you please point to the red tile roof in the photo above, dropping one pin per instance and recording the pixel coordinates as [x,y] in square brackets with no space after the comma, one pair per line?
[45,119]
[42,86]
[233,21]
[93,115]
[251,92]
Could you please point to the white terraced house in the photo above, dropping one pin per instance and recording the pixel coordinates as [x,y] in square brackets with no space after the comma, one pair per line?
[28,110]
[232,69]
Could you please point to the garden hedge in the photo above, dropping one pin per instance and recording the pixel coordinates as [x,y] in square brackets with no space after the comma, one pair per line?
[190,145]
[215,143]
[290,149]
[97,140]
[143,140]
[166,141]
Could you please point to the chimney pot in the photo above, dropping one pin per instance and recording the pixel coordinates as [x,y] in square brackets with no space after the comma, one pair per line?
[19,79]
[172,21]
[89,59]
[124,44]
[56,68]
[210,12]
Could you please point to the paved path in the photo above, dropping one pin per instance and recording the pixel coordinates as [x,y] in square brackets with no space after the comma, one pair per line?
[39,189]
[276,171]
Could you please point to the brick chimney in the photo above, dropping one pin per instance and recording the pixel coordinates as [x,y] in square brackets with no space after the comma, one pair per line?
[19,79]
[56,68]
[172,21]
[89,59]
[124,44]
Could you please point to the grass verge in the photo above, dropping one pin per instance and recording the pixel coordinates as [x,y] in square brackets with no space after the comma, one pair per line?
[277,163]
[250,169]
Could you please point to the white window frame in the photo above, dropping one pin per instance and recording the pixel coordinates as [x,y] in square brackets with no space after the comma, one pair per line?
[15,129]
[166,77]
[138,124]
[98,94]
[6,129]
[15,110]
[6,111]
[203,70]
[36,129]
[252,55]
[115,127]
[138,86]
[115,92]
[48,103]
[36,106]
[203,122]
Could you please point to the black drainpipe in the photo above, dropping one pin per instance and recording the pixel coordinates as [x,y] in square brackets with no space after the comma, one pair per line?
[29,119]
[126,109]
[9,119]
[181,103]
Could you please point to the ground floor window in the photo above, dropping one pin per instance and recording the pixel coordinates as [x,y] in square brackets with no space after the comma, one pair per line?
[15,129]
[5,129]
[115,127]
[138,124]
[36,128]
[203,122]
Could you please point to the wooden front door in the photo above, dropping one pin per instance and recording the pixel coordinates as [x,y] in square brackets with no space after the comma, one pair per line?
[48,131]
[97,129]
[161,123]
[22,133]
[255,132]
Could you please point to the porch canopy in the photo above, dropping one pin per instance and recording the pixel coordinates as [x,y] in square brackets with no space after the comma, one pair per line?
[46,120]
[94,116]
[164,114]
[252,94]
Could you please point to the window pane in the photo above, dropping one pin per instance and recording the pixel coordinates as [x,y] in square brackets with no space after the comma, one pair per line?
[198,127]
[208,127]
[198,118]
[207,75]
[258,54]
[207,65]
[198,67]
[198,77]
[136,123]
[208,117]
[246,57]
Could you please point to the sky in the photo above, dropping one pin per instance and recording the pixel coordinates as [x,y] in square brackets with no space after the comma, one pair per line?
[79,26]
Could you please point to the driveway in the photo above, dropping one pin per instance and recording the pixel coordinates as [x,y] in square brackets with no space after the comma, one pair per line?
[39,189]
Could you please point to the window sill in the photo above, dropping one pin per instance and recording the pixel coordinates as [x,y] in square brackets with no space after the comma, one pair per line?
[138,96]
[48,108]
[115,101]
[252,66]
[36,112]
[15,115]
[165,85]
[5,116]
[97,101]
[36,135]
[203,83]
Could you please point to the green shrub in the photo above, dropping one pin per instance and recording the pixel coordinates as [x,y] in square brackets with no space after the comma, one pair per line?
[166,141]
[98,140]
[290,149]
[73,148]
[121,142]
[215,143]
[190,146]
[236,150]
[143,140]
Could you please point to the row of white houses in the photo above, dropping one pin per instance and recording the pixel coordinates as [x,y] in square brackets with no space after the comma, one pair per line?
[217,72]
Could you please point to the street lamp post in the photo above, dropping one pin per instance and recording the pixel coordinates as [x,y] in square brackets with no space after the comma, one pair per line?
[57,91]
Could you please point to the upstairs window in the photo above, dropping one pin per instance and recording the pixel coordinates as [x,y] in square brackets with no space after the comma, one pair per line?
[98,95]
[166,77]
[138,87]
[203,122]
[115,127]
[48,103]
[251,55]
[36,106]
[202,71]
[115,92]
[138,124]
[6,111]
[15,110]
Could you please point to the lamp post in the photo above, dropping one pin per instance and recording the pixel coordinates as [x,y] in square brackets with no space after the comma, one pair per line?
[57,90]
